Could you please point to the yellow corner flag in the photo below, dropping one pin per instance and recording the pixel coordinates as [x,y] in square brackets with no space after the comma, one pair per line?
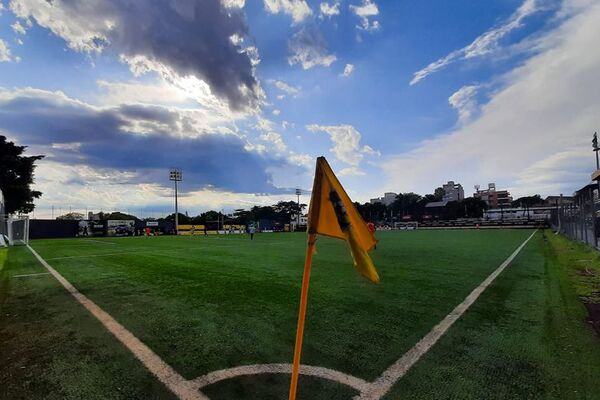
[331,213]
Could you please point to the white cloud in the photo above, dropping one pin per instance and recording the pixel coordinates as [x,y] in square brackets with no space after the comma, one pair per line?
[211,57]
[276,112]
[371,151]
[275,141]
[114,92]
[329,10]
[308,48]
[463,100]
[18,28]
[99,193]
[298,9]
[351,171]
[285,87]
[280,96]
[304,160]
[533,135]
[346,142]
[484,44]
[233,3]
[348,69]
[366,12]
[5,55]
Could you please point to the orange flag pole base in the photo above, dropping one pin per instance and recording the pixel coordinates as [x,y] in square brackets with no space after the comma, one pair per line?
[302,315]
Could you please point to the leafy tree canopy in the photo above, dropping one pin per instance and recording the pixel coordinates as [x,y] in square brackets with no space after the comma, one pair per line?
[16,177]
[71,216]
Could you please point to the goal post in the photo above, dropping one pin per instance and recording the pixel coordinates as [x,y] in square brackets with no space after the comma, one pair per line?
[3,224]
[18,230]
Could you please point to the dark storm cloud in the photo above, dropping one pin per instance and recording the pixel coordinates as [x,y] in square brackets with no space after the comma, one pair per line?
[189,36]
[77,134]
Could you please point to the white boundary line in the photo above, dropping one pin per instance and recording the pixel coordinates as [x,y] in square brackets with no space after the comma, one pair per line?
[164,372]
[390,376]
[185,389]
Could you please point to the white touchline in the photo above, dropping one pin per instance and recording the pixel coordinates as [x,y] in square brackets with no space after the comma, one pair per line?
[384,383]
[165,373]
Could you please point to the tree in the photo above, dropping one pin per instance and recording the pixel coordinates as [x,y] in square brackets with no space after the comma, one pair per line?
[182,219]
[474,207]
[119,216]
[285,210]
[241,216]
[439,193]
[528,201]
[408,204]
[16,177]
[71,216]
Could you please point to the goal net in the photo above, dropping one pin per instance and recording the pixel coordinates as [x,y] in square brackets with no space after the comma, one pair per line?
[18,230]
[406,225]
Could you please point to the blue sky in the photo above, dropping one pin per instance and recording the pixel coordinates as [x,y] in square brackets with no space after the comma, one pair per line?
[244,95]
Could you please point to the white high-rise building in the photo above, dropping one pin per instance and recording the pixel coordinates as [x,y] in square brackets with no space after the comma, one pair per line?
[453,191]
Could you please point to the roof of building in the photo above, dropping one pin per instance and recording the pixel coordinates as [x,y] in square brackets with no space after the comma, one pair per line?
[437,204]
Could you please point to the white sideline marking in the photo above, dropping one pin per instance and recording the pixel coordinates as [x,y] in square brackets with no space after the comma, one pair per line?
[36,274]
[325,373]
[164,372]
[384,383]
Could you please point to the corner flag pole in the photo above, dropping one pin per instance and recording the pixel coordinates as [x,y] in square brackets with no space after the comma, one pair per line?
[312,237]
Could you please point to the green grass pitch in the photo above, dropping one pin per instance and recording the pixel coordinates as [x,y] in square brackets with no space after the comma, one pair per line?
[209,303]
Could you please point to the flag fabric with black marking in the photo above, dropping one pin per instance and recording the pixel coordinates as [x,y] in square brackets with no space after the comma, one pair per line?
[332,214]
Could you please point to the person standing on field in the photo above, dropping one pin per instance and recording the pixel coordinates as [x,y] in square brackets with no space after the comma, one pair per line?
[371,227]
[251,230]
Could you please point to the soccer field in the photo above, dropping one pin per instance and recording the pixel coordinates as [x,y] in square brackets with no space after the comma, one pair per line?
[205,304]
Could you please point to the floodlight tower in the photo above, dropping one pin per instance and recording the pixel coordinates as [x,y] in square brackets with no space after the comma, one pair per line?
[298,192]
[175,176]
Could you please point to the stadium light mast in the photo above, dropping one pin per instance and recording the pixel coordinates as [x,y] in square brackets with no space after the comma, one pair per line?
[175,176]
[298,192]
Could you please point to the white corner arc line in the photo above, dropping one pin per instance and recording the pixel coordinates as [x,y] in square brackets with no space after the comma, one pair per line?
[390,376]
[184,389]
[212,377]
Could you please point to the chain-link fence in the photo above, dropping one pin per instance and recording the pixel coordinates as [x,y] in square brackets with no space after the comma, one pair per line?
[579,218]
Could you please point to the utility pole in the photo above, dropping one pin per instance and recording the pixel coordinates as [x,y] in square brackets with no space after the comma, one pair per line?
[596,149]
[175,176]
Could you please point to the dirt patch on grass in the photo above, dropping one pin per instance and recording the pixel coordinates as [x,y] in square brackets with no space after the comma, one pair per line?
[594,315]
